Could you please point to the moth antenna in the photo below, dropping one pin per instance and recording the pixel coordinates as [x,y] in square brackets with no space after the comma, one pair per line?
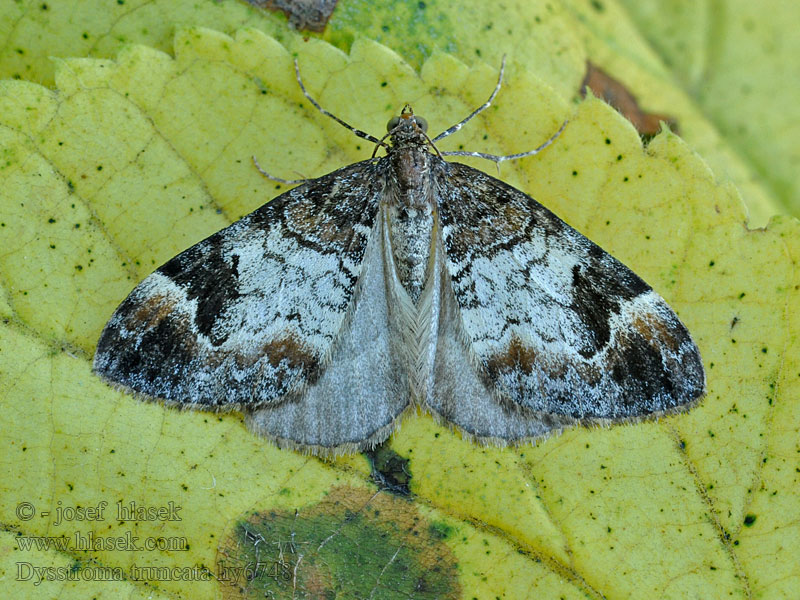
[278,179]
[358,132]
[498,159]
[478,110]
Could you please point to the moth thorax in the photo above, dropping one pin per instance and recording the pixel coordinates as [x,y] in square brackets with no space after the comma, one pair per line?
[411,167]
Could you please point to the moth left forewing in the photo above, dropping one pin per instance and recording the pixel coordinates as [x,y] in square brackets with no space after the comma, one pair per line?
[249,316]
[555,325]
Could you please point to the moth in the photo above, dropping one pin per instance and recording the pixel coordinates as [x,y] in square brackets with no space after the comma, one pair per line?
[400,281]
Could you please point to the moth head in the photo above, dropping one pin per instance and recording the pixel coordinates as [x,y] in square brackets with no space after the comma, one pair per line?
[407,114]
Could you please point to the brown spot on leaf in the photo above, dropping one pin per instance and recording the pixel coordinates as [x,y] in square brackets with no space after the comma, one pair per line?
[312,15]
[620,97]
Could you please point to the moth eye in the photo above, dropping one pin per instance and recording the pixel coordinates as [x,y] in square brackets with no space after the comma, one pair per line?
[393,122]
[421,123]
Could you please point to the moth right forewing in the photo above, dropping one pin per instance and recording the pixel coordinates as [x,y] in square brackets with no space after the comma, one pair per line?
[558,325]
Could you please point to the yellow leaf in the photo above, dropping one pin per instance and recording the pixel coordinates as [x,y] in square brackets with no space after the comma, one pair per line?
[698,505]
[755,149]
[739,61]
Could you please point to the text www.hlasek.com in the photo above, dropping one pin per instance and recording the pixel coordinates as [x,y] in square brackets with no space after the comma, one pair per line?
[90,542]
